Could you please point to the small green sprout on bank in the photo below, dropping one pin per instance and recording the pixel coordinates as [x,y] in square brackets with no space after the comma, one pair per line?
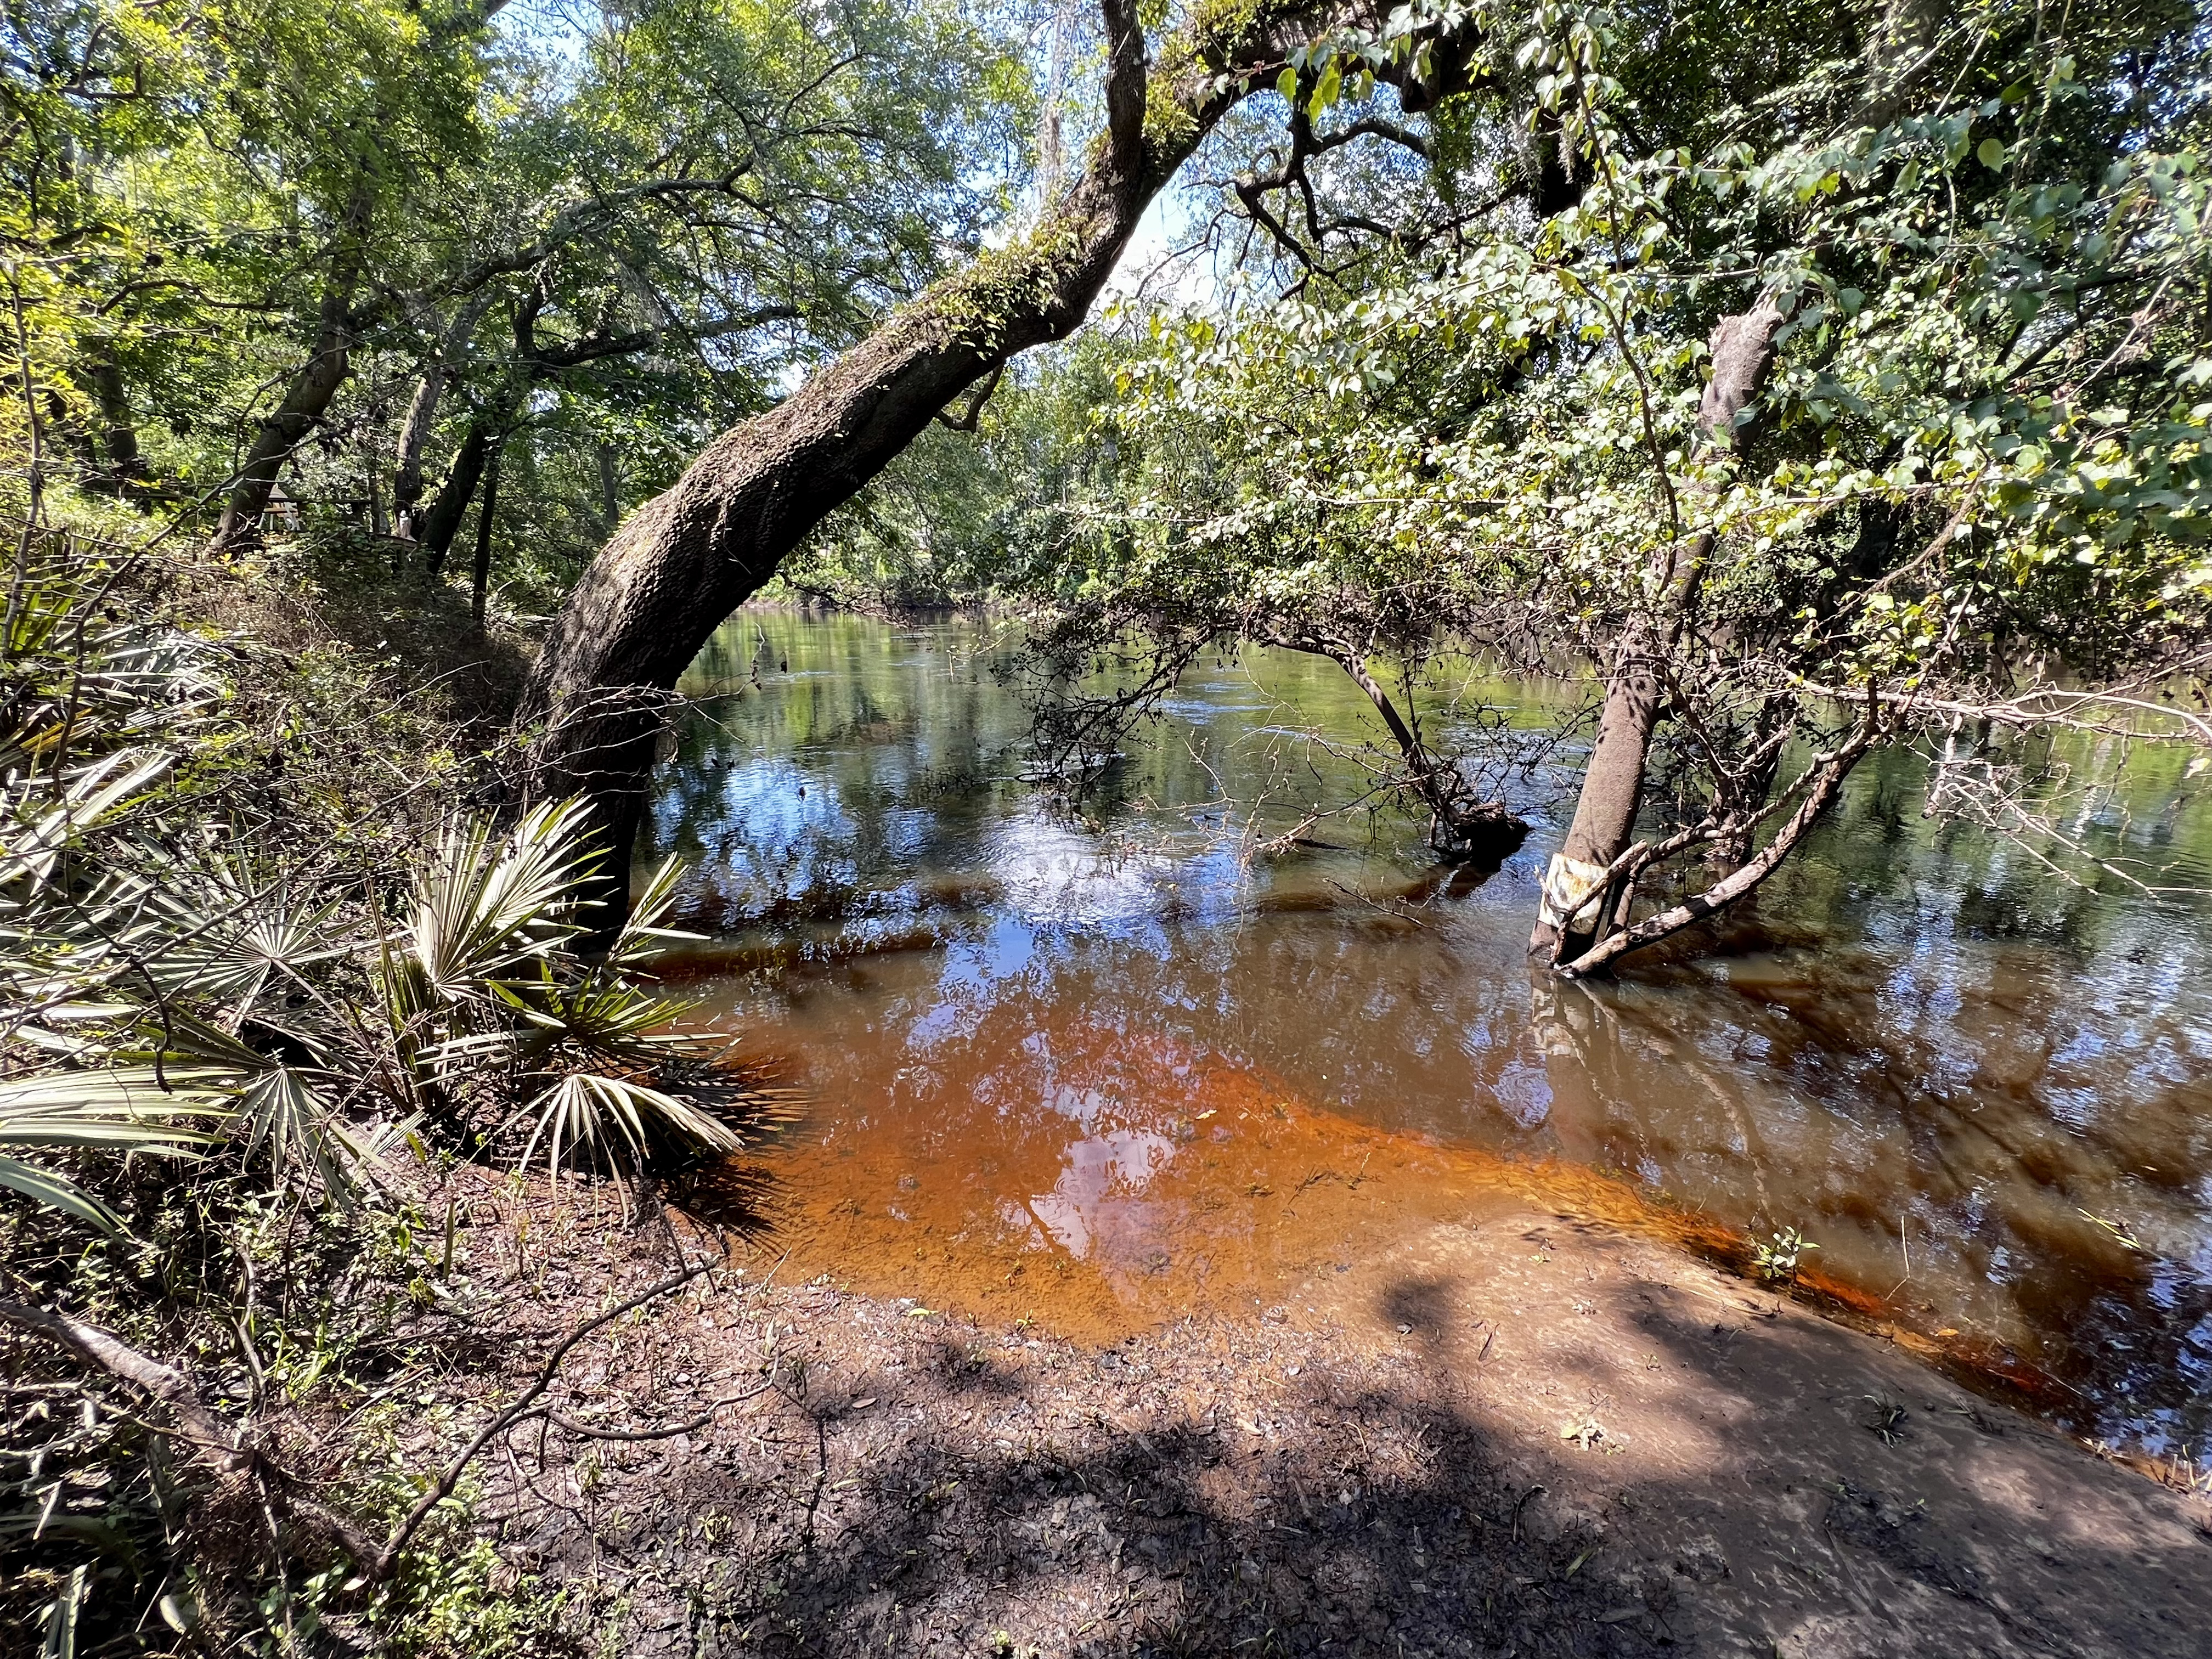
[1778,1262]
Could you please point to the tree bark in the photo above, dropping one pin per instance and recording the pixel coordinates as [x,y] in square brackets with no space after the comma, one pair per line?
[480,577]
[328,362]
[441,520]
[222,1447]
[377,526]
[123,472]
[610,488]
[1742,349]
[684,561]
[1828,778]
[422,412]
[532,364]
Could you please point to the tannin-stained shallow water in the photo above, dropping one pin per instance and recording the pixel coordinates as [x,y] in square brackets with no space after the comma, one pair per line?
[1099,1067]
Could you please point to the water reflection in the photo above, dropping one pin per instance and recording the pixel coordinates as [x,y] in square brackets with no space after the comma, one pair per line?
[1093,1066]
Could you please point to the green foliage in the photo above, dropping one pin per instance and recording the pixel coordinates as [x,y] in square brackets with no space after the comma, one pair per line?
[170,987]
[964,518]
[1777,1261]
[239,974]
[452,1598]
[1976,467]
[338,1310]
[597,239]
[114,1110]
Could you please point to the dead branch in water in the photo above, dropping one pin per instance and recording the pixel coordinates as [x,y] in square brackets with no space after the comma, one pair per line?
[1820,782]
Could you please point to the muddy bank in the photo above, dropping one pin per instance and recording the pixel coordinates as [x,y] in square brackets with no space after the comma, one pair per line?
[1535,1434]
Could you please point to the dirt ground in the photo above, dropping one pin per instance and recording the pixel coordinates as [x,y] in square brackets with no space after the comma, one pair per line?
[1532,1434]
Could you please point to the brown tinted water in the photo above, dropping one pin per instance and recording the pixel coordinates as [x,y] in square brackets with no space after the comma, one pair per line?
[1097,1068]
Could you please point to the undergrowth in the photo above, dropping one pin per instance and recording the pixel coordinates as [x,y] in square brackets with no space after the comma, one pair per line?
[287,943]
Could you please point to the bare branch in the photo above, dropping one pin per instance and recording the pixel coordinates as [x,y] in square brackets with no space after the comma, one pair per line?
[1826,776]
[379,1565]
[221,1447]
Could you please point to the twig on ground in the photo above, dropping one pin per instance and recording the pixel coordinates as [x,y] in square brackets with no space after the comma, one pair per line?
[226,1450]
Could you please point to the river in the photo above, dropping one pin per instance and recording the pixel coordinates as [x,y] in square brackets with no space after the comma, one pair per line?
[1097,1065]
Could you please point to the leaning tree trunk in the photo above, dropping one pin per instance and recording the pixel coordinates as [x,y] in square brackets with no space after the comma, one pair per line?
[610,488]
[310,393]
[441,520]
[1568,913]
[1822,783]
[684,561]
[480,572]
[423,413]
[122,471]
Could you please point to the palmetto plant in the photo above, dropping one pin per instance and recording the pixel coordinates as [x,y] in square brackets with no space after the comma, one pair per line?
[114,1110]
[484,906]
[486,974]
[180,979]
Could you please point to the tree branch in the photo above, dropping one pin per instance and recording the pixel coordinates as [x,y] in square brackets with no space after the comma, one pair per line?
[966,422]
[379,1565]
[1125,79]
[226,1451]
[1828,773]
[544,360]
[223,1448]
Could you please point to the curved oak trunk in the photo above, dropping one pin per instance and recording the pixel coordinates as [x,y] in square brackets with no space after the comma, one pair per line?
[684,561]
[328,362]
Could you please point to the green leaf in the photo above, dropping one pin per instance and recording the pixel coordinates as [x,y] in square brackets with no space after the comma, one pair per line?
[1325,95]
[1991,153]
[45,1187]
[588,1111]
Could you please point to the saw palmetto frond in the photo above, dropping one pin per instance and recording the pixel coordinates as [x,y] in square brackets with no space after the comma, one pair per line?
[590,1113]
[485,903]
[116,1109]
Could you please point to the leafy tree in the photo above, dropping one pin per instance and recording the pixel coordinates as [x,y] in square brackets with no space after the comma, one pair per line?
[1837,405]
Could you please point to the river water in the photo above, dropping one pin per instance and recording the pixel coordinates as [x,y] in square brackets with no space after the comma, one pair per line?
[1101,1064]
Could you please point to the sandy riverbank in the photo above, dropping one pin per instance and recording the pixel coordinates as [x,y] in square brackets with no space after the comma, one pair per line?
[1537,1433]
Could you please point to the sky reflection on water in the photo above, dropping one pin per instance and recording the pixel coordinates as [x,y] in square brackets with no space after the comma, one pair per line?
[1080,1035]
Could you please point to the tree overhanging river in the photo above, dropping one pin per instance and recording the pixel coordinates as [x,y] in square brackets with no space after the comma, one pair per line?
[1097,1066]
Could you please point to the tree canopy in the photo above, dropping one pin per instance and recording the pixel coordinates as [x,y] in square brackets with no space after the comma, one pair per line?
[1458,385]
[376,242]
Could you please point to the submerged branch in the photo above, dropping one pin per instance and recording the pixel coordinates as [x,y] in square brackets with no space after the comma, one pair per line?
[1820,780]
